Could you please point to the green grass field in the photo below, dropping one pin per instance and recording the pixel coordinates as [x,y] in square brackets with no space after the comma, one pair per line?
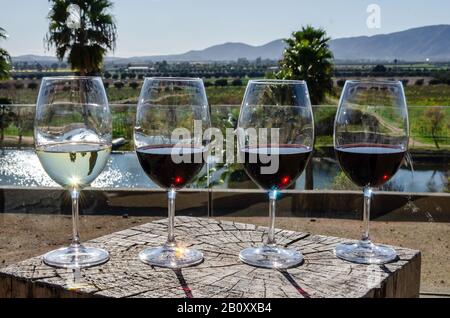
[434,95]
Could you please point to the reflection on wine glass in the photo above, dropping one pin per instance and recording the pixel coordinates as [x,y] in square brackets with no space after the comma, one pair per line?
[73,133]
[371,136]
[276,140]
[170,153]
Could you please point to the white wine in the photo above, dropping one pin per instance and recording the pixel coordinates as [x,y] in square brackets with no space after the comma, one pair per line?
[74,164]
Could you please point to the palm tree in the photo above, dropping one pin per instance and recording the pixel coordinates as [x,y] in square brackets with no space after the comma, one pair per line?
[86,42]
[5,59]
[308,57]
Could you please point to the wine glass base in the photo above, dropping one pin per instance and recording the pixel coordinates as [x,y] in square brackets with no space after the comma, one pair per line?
[365,253]
[271,257]
[171,257]
[76,256]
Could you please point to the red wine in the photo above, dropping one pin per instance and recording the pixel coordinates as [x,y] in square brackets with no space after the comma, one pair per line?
[292,161]
[370,165]
[159,165]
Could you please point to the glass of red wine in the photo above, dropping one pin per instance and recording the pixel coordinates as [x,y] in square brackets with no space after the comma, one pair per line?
[171,116]
[275,140]
[371,136]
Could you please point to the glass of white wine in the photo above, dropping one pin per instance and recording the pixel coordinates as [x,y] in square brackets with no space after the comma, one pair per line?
[73,139]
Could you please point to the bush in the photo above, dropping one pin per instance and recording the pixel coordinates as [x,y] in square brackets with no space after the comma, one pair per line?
[107,75]
[435,81]
[115,76]
[379,69]
[134,85]
[208,84]
[405,82]
[106,84]
[5,101]
[237,82]
[221,82]
[341,83]
[141,76]
[419,82]
[5,86]
[19,85]
[342,183]
[119,85]
[33,85]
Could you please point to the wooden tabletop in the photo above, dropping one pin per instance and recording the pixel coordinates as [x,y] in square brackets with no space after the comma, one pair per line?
[222,274]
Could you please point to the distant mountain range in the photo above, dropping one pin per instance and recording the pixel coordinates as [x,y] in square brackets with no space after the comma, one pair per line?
[413,45]
[418,44]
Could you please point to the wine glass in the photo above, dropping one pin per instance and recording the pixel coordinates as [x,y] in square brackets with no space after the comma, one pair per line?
[73,133]
[371,135]
[171,115]
[276,140]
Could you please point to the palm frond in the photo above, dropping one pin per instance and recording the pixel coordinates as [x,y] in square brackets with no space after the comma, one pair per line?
[308,57]
[86,47]
[5,58]
[3,34]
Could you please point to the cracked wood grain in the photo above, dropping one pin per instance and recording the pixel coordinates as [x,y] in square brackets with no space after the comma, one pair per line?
[222,274]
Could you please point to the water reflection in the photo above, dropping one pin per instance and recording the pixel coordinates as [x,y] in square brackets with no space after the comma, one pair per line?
[22,168]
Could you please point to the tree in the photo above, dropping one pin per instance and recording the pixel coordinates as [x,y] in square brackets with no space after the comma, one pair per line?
[19,85]
[7,117]
[419,82]
[237,82]
[340,83]
[119,85]
[435,116]
[308,57]
[379,69]
[221,82]
[33,85]
[134,85]
[84,36]
[5,59]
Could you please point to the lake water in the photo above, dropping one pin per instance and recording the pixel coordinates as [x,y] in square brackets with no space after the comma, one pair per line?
[22,168]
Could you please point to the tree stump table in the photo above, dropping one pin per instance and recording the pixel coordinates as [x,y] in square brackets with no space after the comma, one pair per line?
[222,274]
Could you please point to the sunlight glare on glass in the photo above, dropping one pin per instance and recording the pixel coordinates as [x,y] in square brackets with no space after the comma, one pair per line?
[74,181]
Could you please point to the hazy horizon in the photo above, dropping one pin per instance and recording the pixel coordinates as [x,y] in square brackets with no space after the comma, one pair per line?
[162,27]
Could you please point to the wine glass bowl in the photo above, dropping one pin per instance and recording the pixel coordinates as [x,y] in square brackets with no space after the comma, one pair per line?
[73,141]
[276,140]
[371,137]
[172,114]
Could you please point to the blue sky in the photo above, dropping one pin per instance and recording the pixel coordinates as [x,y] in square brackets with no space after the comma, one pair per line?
[152,27]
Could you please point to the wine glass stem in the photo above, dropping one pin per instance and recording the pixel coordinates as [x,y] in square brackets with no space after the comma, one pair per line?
[366,217]
[75,195]
[172,194]
[272,212]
